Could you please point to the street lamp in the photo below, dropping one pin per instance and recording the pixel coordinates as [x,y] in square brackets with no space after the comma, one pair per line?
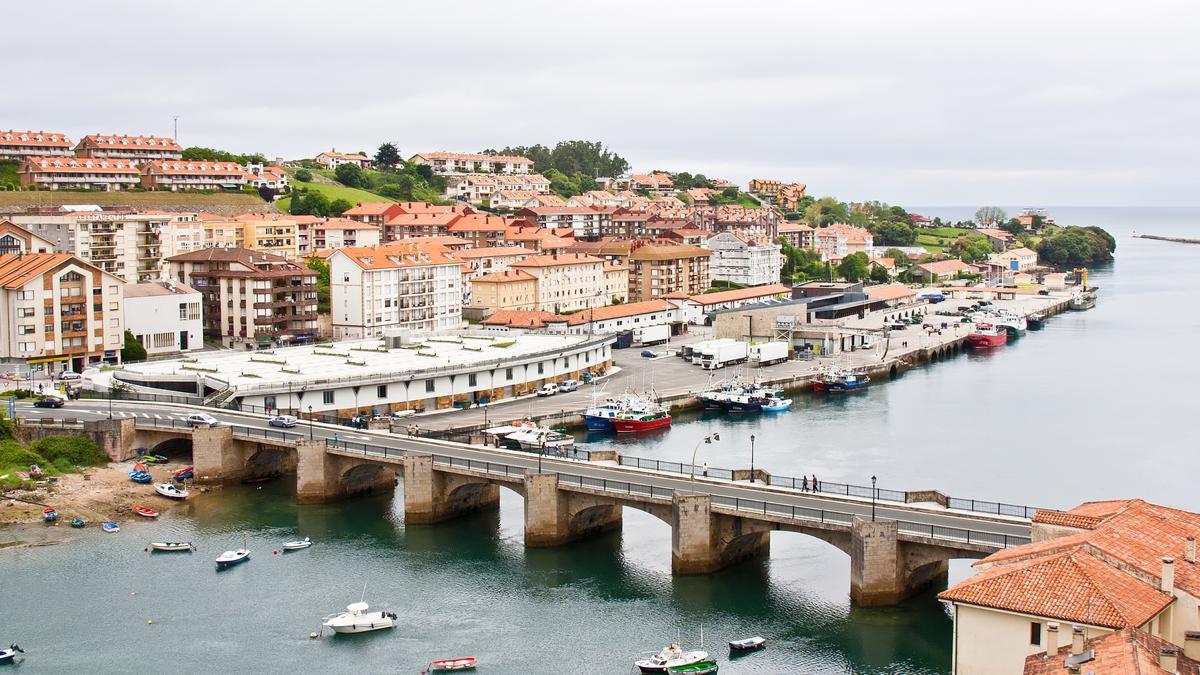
[872,498]
[751,458]
[541,451]
[706,440]
[310,423]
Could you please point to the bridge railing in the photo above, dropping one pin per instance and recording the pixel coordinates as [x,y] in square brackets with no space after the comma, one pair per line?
[676,467]
[998,508]
[237,429]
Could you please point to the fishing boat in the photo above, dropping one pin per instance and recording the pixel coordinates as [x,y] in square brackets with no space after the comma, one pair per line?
[139,467]
[747,645]
[140,477]
[169,490]
[671,656]
[705,667]
[78,522]
[297,545]
[632,422]
[172,546]
[541,438]
[110,527]
[840,382]
[144,511]
[1035,321]
[776,403]
[186,473]
[230,558]
[1083,302]
[987,335]
[49,514]
[446,665]
[7,655]
[356,619]
[599,417]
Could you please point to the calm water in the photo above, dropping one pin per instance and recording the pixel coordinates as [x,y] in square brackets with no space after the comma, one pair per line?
[1092,407]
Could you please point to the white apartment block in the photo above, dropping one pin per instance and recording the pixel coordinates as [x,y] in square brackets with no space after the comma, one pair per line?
[446,163]
[744,260]
[396,286]
[572,281]
[164,317]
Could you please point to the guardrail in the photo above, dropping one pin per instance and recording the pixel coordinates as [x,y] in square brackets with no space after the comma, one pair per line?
[998,508]
[240,430]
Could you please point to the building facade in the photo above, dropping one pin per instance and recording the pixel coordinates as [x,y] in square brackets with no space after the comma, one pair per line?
[138,149]
[744,259]
[175,175]
[408,286]
[656,270]
[164,317]
[20,145]
[79,173]
[446,163]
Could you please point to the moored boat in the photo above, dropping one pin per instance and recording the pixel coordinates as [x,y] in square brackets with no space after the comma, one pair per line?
[706,667]
[169,490]
[541,438]
[1083,302]
[356,619]
[49,514]
[1035,321]
[172,546]
[78,522]
[632,422]
[671,656]
[185,473]
[987,335]
[446,665]
[144,511]
[840,382]
[110,527]
[747,645]
[600,417]
[297,545]
[8,655]
[140,477]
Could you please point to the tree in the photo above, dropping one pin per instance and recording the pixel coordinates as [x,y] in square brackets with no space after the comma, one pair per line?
[303,175]
[895,233]
[1076,246]
[197,154]
[683,181]
[853,267]
[570,157]
[387,157]
[990,215]
[1013,226]
[339,206]
[298,207]
[425,172]
[879,275]
[971,249]
[321,267]
[133,350]
[350,175]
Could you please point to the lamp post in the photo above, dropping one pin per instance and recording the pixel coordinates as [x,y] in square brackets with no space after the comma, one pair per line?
[872,498]
[751,458]
[310,423]
[707,439]
[541,451]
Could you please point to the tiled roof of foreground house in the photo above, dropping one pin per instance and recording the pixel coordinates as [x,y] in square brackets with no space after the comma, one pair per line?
[1120,653]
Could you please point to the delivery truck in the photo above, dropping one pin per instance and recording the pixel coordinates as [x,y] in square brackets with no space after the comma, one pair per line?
[651,335]
[768,353]
[724,354]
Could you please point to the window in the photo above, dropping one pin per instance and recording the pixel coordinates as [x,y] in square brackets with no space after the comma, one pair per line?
[471,380]
[541,368]
[25,330]
[162,340]
[381,391]
[327,397]
[27,311]
[1035,633]
[508,373]
[429,386]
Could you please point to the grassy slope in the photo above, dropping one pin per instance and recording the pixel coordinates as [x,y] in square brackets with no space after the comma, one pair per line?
[333,192]
[8,173]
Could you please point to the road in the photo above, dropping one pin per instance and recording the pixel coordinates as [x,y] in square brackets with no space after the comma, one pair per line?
[920,514]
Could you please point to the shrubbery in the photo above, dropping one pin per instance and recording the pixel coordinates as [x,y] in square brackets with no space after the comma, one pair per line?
[75,450]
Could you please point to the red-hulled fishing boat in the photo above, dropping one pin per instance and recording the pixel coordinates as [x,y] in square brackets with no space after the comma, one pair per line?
[145,511]
[988,335]
[630,422]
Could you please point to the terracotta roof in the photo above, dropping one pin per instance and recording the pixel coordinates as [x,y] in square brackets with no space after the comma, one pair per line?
[1067,519]
[42,139]
[156,289]
[1019,251]
[668,252]
[889,292]
[238,255]
[1070,586]
[493,251]
[519,318]
[16,269]
[195,168]
[603,247]
[82,165]
[992,232]
[557,260]
[474,157]
[370,209]
[119,142]
[478,222]
[1127,651]
[398,254]
[769,290]
[794,227]
[618,311]
[507,276]
[353,157]
[424,219]
[951,266]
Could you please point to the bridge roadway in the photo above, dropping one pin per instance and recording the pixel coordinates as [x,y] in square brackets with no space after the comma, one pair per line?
[985,531]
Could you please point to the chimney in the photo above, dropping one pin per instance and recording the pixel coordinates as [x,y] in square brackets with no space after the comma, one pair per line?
[1168,658]
[1189,550]
[1051,639]
[1168,575]
[1076,640]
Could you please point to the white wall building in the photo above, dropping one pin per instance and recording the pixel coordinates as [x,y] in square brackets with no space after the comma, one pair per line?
[164,317]
[399,285]
[743,259]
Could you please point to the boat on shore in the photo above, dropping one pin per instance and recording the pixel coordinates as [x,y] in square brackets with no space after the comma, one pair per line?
[987,335]
[186,473]
[447,665]
[840,382]
[671,656]
[169,490]
[356,619]
[633,422]
[172,546]
[110,527]
[140,477]
[144,511]
[49,515]
[78,522]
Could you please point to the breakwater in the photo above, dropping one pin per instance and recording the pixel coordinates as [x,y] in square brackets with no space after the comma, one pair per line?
[1177,240]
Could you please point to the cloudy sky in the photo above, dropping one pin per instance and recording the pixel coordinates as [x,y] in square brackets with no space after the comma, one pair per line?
[920,102]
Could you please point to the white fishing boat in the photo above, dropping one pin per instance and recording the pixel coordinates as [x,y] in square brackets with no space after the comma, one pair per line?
[172,545]
[9,655]
[169,490]
[357,619]
[297,545]
[671,656]
[230,558]
[541,438]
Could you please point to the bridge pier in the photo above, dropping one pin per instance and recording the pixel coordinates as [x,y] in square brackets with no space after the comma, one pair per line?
[216,456]
[703,541]
[884,570]
[316,473]
[554,517]
[433,496]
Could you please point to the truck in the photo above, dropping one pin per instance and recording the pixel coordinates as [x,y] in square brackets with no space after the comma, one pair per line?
[768,353]
[701,348]
[651,335]
[725,354]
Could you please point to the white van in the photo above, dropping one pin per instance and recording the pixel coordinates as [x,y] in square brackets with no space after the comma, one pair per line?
[548,389]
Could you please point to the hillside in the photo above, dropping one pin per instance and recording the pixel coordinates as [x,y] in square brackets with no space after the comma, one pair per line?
[225,204]
[8,174]
[332,192]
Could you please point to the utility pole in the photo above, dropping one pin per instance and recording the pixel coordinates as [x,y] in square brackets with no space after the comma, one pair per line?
[872,498]
[175,119]
[751,458]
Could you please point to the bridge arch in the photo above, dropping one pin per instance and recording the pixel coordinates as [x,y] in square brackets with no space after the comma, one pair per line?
[365,477]
[178,448]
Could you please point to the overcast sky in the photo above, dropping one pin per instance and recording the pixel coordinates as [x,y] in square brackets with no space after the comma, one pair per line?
[954,103]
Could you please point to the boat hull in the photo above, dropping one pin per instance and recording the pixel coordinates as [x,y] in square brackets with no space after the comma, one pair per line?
[596,423]
[626,426]
[449,665]
[986,341]
[353,629]
[169,547]
[735,406]
[232,562]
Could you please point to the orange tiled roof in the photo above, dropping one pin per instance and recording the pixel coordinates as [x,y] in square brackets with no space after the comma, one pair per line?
[1126,651]
[82,165]
[669,252]
[353,157]
[16,270]
[185,167]
[424,218]
[889,292]
[493,251]
[507,276]
[740,294]
[477,222]
[520,318]
[557,260]
[950,266]
[121,142]
[45,139]
[618,311]
[370,209]
[399,254]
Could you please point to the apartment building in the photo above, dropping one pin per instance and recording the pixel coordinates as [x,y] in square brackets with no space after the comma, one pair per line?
[406,285]
[744,259]
[332,159]
[20,145]
[58,313]
[609,249]
[503,291]
[422,224]
[266,176]
[16,239]
[799,235]
[447,163]
[250,299]
[790,196]
[764,187]
[138,149]
[840,240]
[343,232]
[175,175]
[570,282]
[488,260]
[79,173]
[375,213]
[481,230]
[514,199]
[164,316]
[270,233]
[585,222]
[1018,259]
[658,269]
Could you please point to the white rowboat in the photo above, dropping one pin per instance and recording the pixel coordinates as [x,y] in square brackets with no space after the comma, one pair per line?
[297,545]
[171,545]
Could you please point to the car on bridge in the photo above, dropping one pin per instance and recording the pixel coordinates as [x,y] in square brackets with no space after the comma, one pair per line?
[202,420]
[48,402]
[284,421]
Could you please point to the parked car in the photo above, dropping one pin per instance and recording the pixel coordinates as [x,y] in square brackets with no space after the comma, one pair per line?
[69,375]
[649,353]
[202,420]
[548,389]
[895,325]
[285,421]
[568,385]
[48,402]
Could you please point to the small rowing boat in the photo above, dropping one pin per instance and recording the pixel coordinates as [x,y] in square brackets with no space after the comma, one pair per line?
[186,473]
[297,545]
[140,477]
[172,546]
[49,514]
[145,511]
[78,522]
[747,645]
[705,667]
[169,490]
[109,527]
[445,665]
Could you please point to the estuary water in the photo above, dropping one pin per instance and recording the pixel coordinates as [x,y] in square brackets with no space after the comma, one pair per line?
[1095,406]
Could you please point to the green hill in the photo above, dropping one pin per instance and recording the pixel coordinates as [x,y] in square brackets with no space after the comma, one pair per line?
[333,192]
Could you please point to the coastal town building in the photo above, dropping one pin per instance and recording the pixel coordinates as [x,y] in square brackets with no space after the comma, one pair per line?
[1127,651]
[175,175]
[128,244]
[894,295]
[267,176]
[446,163]
[623,317]
[17,239]
[495,189]
[79,173]
[586,222]
[1019,259]
[569,282]
[332,159]
[799,235]
[251,299]
[744,259]
[413,286]
[135,148]
[59,313]
[840,240]
[164,316]
[20,145]
[696,308]
[420,224]
[343,232]
[1099,568]
[268,232]
[487,260]
[481,229]
[658,269]
[375,213]
[503,291]
[941,270]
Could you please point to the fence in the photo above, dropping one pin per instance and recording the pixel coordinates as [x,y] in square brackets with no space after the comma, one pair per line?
[237,429]
[998,508]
